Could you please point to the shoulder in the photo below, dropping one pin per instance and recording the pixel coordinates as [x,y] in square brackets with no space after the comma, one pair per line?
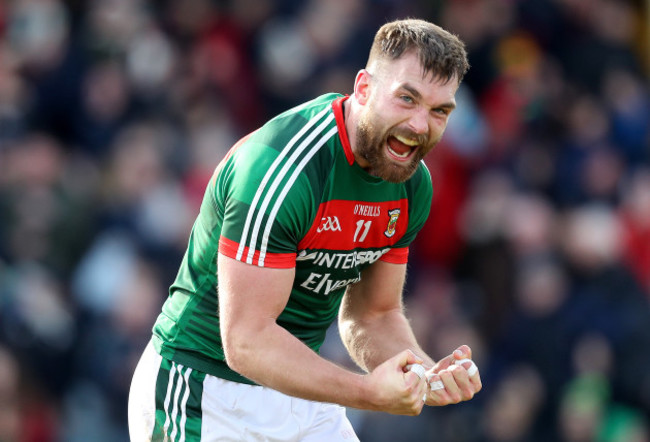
[420,186]
[311,116]
[292,135]
[291,154]
[302,139]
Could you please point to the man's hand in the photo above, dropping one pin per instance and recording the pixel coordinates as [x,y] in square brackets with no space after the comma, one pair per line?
[396,389]
[455,382]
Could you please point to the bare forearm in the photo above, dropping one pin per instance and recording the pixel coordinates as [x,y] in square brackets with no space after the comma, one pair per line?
[251,299]
[372,341]
[276,359]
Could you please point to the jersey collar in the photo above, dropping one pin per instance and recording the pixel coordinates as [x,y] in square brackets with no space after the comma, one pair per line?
[337,105]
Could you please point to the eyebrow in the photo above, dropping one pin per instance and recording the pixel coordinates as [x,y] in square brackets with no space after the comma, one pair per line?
[416,94]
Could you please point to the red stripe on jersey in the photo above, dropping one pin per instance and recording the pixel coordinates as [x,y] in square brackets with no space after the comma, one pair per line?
[337,105]
[396,256]
[348,225]
[229,248]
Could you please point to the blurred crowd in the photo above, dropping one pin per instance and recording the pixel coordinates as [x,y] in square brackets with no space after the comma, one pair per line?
[114,113]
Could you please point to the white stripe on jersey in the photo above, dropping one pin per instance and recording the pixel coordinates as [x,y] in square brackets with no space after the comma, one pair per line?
[285,190]
[277,181]
[267,177]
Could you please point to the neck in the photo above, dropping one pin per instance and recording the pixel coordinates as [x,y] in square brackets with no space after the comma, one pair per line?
[350,113]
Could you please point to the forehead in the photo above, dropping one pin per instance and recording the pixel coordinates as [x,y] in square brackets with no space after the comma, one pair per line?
[407,71]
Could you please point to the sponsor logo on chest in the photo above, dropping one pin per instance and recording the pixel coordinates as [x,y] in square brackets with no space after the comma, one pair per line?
[329,223]
[347,225]
[367,210]
[324,277]
[345,237]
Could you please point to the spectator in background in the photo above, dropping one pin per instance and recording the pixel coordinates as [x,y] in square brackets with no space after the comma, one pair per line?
[635,219]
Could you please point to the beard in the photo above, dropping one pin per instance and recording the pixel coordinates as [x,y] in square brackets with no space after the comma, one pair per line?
[371,140]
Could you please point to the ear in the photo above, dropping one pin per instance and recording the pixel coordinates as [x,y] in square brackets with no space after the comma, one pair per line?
[362,86]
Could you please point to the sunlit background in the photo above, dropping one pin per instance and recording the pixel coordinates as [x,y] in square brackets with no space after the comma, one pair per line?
[114,113]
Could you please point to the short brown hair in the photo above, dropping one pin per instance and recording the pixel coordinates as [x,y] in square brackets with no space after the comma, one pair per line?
[441,53]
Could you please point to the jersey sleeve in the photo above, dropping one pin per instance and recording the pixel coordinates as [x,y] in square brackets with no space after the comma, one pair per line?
[265,202]
[420,194]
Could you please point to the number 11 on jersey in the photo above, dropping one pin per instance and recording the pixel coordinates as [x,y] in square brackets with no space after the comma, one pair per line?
[361,225]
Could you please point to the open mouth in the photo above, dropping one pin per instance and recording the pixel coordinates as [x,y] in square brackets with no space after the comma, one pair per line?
[401,148]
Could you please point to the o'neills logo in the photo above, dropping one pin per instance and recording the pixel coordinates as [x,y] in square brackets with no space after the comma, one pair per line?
[390,230]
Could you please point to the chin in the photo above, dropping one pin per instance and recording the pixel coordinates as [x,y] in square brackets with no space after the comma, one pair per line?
[395,174]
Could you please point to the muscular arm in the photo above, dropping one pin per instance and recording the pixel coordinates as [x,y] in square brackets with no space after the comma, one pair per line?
[373,328]
[372,323]
[250,300]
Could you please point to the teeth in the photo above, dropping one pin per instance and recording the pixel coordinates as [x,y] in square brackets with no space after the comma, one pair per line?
[406,141]
[400,155]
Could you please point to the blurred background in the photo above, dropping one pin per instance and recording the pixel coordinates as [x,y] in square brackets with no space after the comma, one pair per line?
[114,113]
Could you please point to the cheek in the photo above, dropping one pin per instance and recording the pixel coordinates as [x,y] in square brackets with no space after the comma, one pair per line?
[387,113]
[438,128]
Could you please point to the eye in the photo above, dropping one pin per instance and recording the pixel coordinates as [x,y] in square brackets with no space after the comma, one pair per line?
[406,99]
[442,111]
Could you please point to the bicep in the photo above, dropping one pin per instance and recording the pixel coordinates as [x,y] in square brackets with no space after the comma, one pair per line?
[378,292]
[250,296]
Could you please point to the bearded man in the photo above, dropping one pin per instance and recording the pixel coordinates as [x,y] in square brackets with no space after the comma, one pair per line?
[306,220]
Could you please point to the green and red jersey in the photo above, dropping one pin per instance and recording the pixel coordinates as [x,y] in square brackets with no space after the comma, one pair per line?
[289,195]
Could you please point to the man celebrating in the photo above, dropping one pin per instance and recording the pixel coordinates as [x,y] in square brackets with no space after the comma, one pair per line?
[306,219]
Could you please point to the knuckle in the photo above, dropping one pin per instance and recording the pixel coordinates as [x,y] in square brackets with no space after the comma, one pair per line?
[468,394]
[412,410]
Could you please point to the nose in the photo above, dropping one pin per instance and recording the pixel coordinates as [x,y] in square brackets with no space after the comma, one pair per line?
[419,122]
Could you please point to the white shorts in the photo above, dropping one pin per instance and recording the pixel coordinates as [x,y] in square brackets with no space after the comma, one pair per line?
[170,402]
